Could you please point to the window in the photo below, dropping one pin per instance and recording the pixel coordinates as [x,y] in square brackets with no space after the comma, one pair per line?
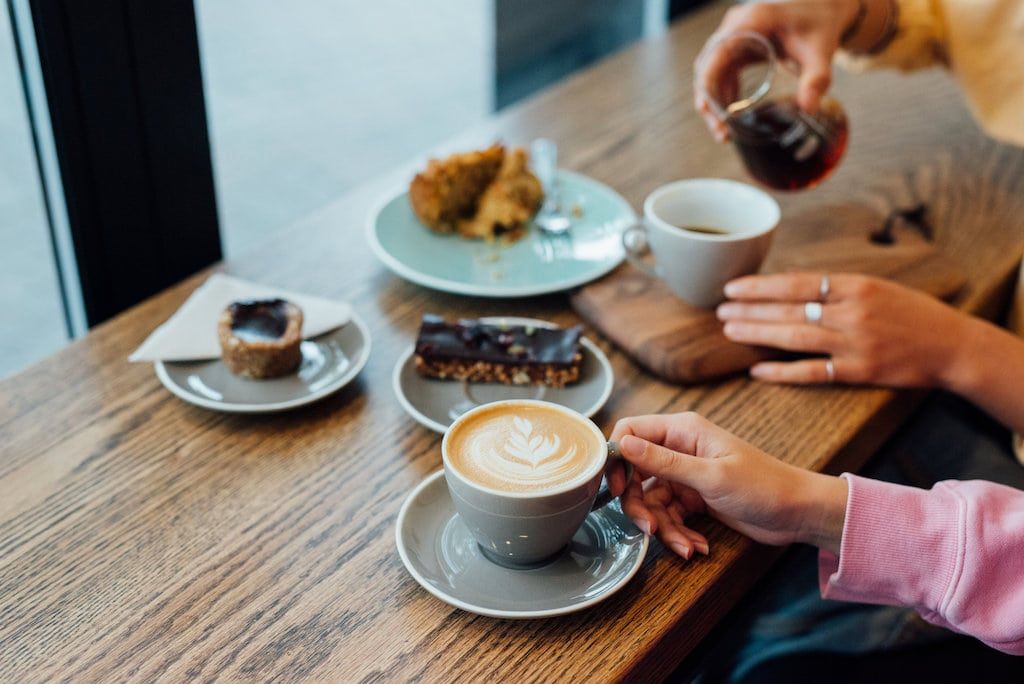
[307,100]
[30,295]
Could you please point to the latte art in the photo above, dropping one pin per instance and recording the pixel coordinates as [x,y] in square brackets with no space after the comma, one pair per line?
[523,448]
[526,456]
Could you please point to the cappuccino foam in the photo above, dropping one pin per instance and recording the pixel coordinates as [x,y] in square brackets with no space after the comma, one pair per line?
[523,448]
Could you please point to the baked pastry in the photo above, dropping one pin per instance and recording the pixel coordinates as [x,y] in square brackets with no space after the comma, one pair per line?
[509,354]
[448,190]
[507,203]
[261,338]
[479,195]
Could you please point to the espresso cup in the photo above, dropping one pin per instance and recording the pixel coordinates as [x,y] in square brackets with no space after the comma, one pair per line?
[523,476]
[697,265]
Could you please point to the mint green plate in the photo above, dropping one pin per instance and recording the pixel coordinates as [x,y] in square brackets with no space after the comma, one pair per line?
[536,264]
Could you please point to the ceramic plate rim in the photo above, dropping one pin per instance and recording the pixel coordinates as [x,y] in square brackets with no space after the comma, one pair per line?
[492,291]
[491,612]
[226,407]
[429,423]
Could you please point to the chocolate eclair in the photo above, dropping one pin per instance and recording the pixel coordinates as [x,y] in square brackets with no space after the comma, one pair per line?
[261,338]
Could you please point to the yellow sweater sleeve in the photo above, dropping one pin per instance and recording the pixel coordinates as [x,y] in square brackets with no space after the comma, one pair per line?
[980,41]
[919,42]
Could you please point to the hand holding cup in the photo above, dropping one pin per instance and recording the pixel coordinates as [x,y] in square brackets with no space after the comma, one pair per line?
[685,465]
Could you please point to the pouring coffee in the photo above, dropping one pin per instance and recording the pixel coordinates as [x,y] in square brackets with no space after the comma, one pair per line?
[753,93]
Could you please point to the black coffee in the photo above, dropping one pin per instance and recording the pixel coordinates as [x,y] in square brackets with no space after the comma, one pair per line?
[704,229]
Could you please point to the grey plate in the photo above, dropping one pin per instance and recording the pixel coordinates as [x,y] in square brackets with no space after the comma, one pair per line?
[329,362]
[437,403]
[439,552]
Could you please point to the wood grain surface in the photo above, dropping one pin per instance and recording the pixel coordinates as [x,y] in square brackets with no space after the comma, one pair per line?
[681,343]
[143,539]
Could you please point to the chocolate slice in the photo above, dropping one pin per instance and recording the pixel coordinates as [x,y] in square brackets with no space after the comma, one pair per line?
[509,354]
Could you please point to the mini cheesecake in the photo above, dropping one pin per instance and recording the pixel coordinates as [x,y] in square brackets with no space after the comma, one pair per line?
[261,338]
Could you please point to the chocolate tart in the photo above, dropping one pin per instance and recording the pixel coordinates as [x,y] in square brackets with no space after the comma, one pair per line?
[261,338]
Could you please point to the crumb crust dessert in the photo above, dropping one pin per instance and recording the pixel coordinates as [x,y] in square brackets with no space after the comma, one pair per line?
[261,338]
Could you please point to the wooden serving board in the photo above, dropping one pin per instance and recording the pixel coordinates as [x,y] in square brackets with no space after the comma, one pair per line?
[684,344]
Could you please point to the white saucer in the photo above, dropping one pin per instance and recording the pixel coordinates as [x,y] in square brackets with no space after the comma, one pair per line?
[436,403]
[441,555]
[329,362]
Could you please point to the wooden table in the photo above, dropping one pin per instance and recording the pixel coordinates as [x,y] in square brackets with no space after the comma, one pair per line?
[142,538]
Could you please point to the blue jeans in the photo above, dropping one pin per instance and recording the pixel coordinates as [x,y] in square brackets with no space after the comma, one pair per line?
[789,633]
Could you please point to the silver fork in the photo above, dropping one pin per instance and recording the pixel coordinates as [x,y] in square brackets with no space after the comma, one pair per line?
[544,157]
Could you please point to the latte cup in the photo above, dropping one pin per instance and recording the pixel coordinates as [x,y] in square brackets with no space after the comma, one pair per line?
[702,233]
[514,526]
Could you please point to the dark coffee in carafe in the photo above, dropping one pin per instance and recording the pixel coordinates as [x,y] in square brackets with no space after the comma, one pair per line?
[786,148]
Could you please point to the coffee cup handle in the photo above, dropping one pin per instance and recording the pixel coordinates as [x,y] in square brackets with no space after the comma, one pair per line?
[634,241]
[604,497]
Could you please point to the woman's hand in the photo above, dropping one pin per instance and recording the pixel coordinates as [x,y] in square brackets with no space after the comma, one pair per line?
[875,331]
[698,467]
[806,32]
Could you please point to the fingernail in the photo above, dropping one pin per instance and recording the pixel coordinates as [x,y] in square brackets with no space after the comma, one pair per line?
[643,525]
[756,371]
[683,551]
[730,329]
[703,548]
[625,444]
[724,311]
[732,289]
[631,444]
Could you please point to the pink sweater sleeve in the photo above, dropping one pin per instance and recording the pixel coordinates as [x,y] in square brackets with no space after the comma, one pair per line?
[954,553]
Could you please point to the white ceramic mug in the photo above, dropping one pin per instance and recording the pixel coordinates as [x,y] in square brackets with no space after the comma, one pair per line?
[527,529]
[696,266]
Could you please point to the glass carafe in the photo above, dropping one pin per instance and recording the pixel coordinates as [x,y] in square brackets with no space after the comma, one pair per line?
[753,92]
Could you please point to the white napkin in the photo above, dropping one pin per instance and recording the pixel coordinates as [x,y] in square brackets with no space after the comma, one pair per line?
[191,333]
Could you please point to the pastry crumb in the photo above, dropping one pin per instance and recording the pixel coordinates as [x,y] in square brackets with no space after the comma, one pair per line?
[489,257]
